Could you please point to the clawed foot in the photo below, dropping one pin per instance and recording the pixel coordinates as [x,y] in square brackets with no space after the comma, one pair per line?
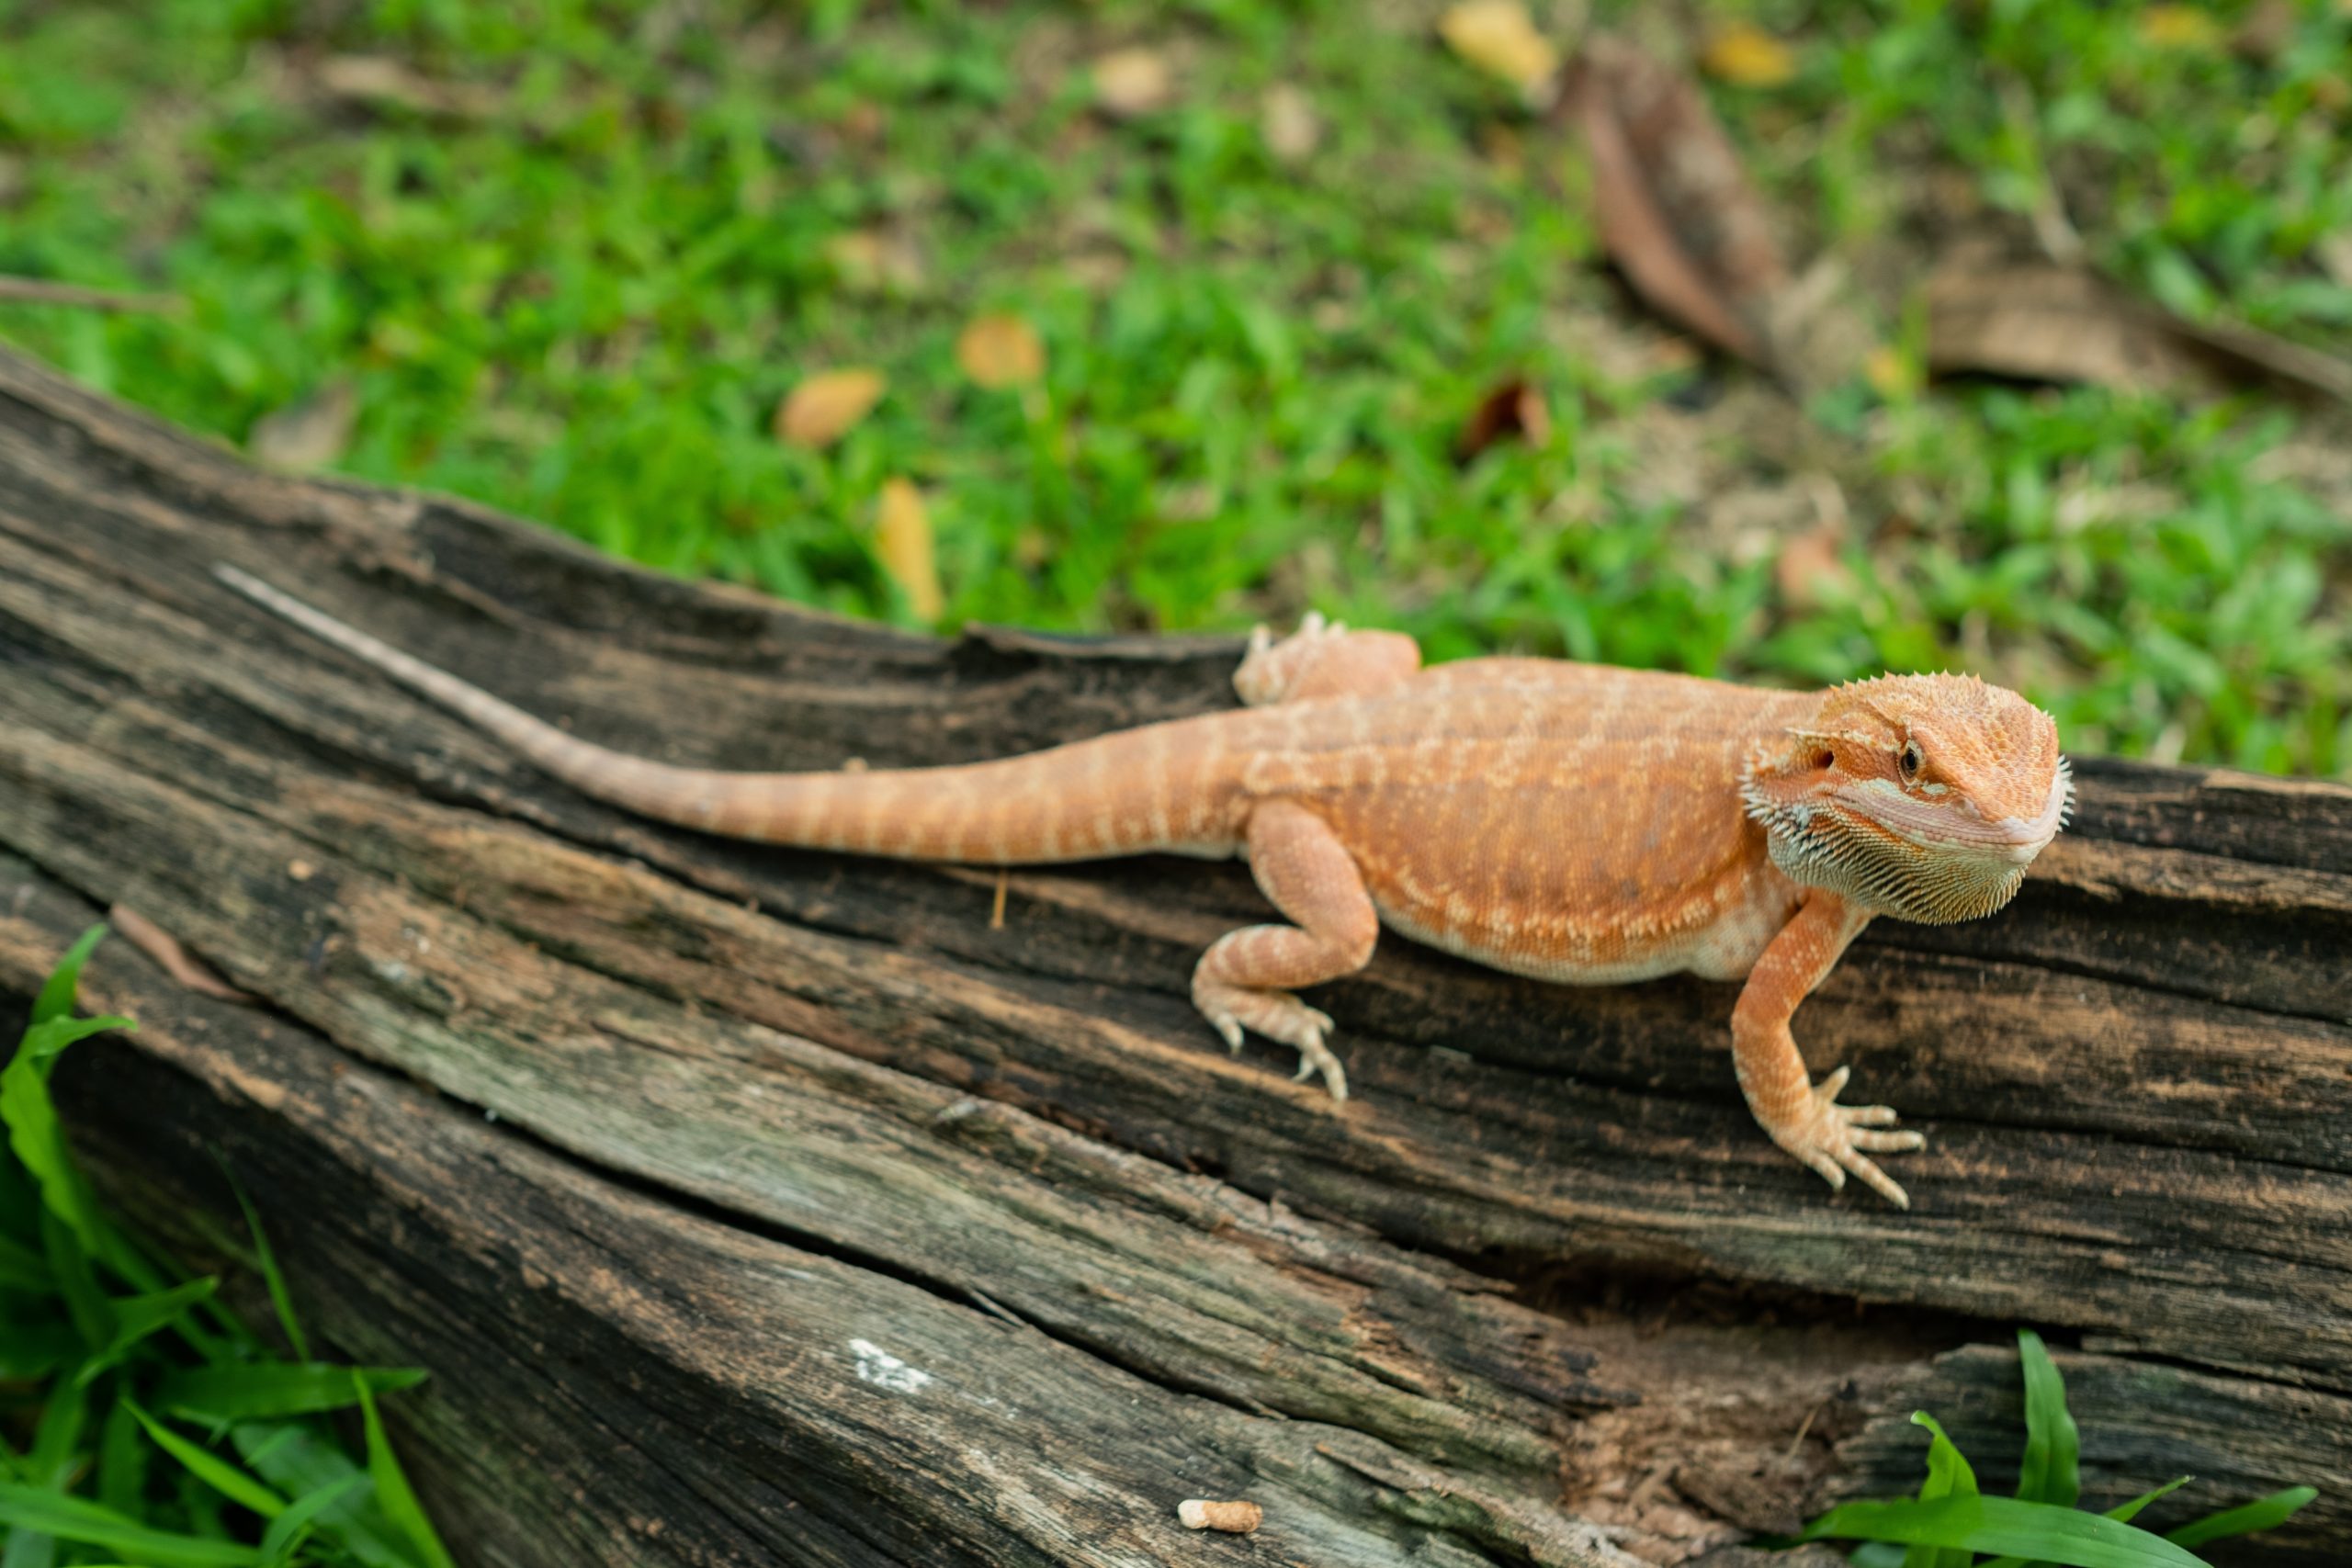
[1834,1139]
[1277,1015]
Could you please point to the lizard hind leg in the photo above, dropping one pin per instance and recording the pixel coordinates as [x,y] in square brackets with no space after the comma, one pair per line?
[1245,980]
[1322,659]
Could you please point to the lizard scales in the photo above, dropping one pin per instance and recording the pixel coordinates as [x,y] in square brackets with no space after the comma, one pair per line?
[1577,823]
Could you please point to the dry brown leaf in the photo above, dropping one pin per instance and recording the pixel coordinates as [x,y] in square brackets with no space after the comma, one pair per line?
[1513,408]
[311,434]
[1809,571]
[189,972]
[1288,121]
[1748,56]
[902,543]
[2334,253]
[870,263]
[2180,26]
[2051,323]
[1888,372]
[822,408]
[48,291]
[1675,211]
[1001,351]
[378,81]
[2266,30]
[1497,37]
[1129,83]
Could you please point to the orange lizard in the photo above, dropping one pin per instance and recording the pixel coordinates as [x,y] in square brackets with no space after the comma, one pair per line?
[1573,822]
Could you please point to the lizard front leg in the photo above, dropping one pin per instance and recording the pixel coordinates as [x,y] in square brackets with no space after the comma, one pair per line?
[1246,977]
[1803,1117]
[1323,660]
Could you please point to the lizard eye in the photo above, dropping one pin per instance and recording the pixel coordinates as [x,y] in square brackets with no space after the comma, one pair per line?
[1912,761]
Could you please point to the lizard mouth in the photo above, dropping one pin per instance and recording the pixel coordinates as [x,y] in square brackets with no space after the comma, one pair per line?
[1937,828]
[1868,861]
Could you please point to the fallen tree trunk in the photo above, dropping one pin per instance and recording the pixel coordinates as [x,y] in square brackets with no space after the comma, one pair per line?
[756,1205]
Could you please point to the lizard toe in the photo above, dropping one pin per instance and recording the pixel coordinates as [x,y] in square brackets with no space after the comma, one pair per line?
[1861,1165]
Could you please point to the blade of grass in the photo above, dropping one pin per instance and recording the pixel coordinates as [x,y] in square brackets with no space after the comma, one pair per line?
[280,1297]
[35,1133]
[392,1490]
[86,1306]
[2051,1469]
[56,998]
[210,1467]
[1949,1475]
[302,1457]
[2002,1525]
[78,1519]
[2262,1513]
[254,1389]
[289,1530]
[123,1461]
[2123,1512]
[34,1348]
[22,1268]
[136,1317]
[48,1466]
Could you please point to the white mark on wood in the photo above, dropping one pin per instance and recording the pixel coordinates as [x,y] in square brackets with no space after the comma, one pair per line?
[879,1367]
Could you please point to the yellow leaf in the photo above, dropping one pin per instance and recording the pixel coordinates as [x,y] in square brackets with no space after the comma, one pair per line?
[1287,120]
[902,544]
[1131,82]
[1496,37]
[1747,56]
[1888,372]
[1001,351]
[2179,27]
[821,410]
[870,263]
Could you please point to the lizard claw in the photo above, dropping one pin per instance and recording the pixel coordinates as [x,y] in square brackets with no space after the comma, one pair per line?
[1832,1139]
[1280,1016]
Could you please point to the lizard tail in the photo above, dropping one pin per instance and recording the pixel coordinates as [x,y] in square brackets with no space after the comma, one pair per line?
[1172,787]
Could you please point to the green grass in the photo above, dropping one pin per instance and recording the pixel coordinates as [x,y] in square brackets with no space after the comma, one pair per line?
[586,301]
[139,1421]
[1950,1524]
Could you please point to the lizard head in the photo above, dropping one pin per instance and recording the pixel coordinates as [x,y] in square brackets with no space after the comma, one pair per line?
[1920,796]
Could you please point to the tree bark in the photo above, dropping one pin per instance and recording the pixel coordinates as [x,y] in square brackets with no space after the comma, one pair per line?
[758,1205]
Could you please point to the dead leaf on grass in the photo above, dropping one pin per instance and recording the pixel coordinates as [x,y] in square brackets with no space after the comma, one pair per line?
[2053,323]
[2180,26]
[1131,83]
[1747,56]
[822,408]
[378,81]
[871,262]
[1513,408]
[1497,37]
[1675,207]
[1287,120]
[189,972]
[311,434]
[902,543]
[1001,351]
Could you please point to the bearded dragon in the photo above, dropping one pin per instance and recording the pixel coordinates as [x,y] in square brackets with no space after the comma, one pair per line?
[1574,822]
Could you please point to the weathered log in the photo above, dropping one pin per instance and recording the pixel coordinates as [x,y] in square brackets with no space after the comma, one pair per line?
[749,1102]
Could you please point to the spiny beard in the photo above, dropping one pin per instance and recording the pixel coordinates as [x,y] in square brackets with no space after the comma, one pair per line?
[1886,873]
